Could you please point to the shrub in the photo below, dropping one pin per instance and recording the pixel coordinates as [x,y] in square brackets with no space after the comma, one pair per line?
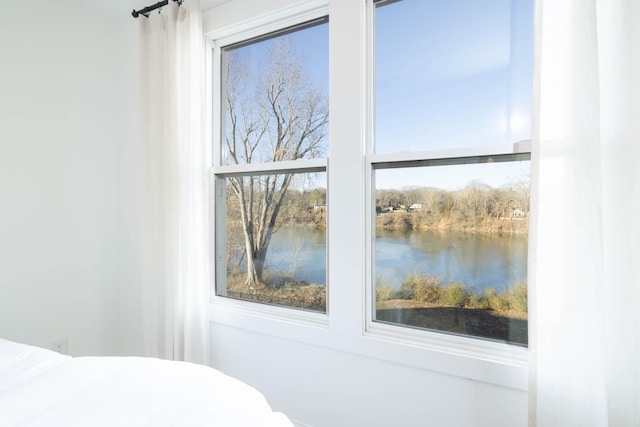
[513,300]
[478,300]
[519,297]
[386,221]
[500,302]
[403,221]
[430,291]
[384,293]
[408,286]
[421,287]
[457,295]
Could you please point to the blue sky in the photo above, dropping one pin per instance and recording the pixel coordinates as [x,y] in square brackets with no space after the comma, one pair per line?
[451,73]
[448,74]
[455,177]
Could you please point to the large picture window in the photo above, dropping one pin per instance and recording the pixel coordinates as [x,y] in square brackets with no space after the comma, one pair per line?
[397,228]
[450,166]
[269,169]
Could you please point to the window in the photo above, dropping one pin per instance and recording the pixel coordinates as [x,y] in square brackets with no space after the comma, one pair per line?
[450,166]
[401,233]
[270,168]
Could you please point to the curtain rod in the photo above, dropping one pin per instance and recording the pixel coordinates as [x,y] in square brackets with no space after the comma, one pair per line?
[147,10]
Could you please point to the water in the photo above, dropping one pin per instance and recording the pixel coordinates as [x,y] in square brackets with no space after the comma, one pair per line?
[301,252]
[480,261]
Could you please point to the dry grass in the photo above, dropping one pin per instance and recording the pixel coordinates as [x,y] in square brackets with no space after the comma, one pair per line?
[285,292]
[428,291]
[422,301]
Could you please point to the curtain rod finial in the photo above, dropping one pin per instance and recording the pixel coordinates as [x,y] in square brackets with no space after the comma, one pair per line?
[135,14]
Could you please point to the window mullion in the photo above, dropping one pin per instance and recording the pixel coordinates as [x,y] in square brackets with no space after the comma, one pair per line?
[291,166]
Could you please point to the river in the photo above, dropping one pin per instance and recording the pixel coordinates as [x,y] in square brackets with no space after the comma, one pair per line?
[480,261]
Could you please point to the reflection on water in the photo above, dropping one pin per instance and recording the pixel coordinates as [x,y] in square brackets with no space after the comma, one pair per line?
[480,261]
[300,252]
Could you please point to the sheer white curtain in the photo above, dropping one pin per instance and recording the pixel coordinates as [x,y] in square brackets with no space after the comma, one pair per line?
[585,258]
[173,170]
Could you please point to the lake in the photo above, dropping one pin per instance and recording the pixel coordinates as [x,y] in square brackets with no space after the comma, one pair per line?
[480,261]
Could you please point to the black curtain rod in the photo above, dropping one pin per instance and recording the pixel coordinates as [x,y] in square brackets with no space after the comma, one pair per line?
[147,10]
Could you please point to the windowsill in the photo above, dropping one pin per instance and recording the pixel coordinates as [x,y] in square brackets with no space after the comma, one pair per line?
[459,345]
[480,360]
[285,315]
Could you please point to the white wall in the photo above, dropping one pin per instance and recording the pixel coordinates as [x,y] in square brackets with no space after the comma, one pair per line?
[339,371]
[317,386]
[67,117]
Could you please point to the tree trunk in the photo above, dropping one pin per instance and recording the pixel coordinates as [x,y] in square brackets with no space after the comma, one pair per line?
[254,271]
[255,263]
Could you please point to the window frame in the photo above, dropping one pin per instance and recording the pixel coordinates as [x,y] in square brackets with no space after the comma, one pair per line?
[247,34]
[471,345]
[476,346]
[347,325]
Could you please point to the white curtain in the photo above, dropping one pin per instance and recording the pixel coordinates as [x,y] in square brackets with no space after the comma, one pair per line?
[175,279]
[585,257]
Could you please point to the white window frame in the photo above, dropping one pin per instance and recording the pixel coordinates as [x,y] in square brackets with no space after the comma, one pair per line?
[348,324]
[472,346]
[220,171]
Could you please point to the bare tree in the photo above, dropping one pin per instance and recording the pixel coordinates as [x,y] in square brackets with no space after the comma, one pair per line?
[277,117]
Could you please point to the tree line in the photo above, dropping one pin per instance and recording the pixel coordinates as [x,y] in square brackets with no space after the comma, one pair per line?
[476,207]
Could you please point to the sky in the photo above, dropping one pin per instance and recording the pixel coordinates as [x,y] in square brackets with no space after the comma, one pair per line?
[447,74]
[455,177]
[451,73]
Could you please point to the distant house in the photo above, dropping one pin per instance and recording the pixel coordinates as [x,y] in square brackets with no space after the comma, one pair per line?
[415,207]
[518,213]
[319,208]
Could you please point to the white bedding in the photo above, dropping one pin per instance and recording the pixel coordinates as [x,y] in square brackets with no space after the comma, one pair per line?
[42,388]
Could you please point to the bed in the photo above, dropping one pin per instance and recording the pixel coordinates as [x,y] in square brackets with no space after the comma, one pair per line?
[39,387]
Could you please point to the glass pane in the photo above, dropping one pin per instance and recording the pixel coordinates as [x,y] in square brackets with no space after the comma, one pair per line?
[276,97]
[451,248]
[275,240]
[452,73]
